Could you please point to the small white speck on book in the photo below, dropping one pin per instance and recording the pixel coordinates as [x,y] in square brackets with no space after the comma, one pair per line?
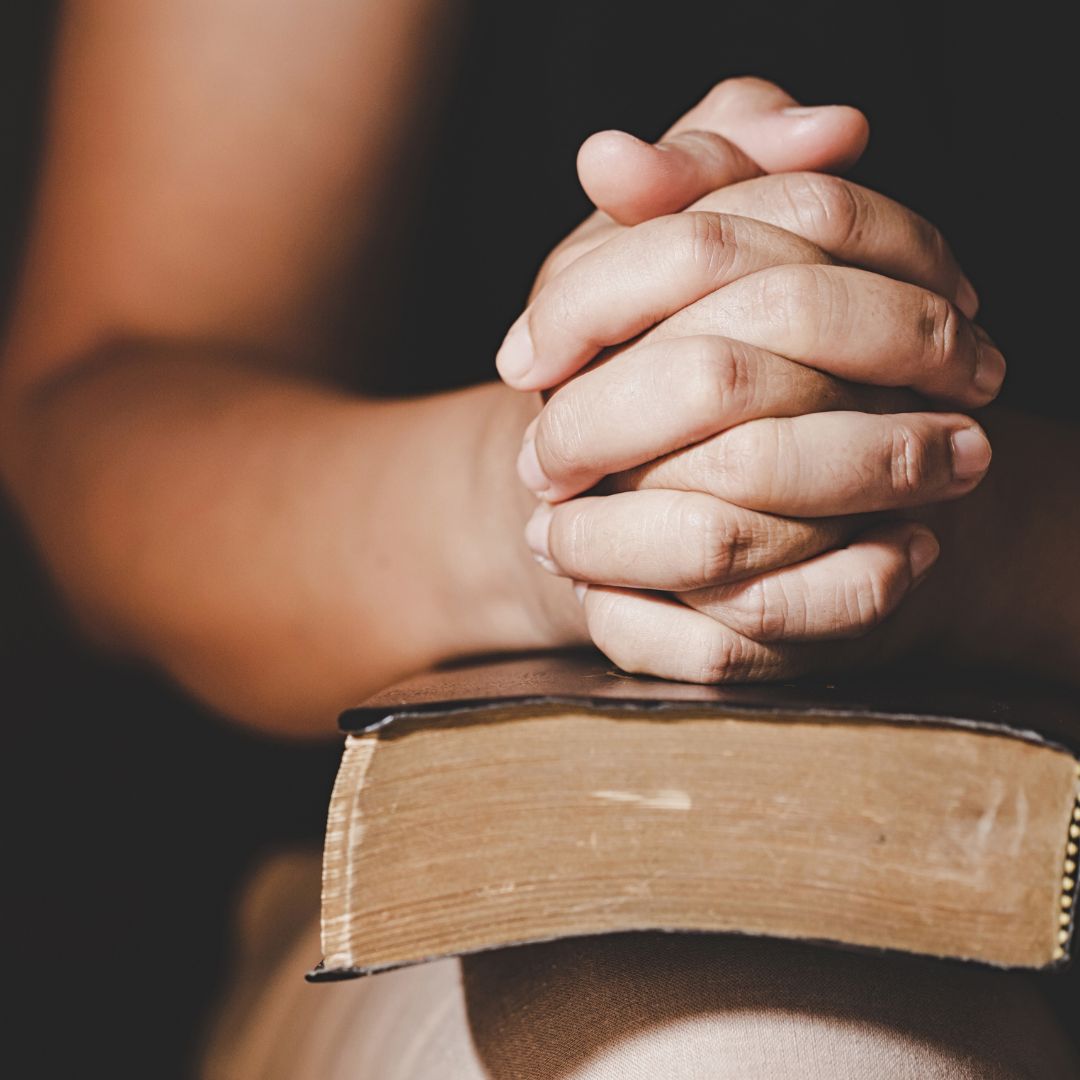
[662,799]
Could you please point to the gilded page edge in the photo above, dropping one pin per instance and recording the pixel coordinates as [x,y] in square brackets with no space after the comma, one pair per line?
[1070,891]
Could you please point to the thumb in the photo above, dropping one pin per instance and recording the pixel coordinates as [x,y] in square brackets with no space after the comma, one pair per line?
[742,128]
[773,129]
[635,181]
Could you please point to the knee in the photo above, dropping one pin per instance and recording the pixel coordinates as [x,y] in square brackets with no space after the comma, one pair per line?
[682,1006]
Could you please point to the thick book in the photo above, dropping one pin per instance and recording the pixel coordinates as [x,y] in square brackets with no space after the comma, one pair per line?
[528,799]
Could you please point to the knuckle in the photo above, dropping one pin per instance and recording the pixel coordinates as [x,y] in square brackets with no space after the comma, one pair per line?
[718,375]
[910,462]
[568,538]
[825,209]
[624,639]
[766,612]
[727,656]
[706,242]
[559,310]
[864,601]
[574,529]
[562,434]
[939,329]
[723,542]
[719,656]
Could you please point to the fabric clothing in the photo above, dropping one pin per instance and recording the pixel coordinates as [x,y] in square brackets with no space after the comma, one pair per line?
[969,110]
[632,1007]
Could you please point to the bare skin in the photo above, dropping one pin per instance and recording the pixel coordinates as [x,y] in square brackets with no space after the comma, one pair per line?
[204,495]
[697,568]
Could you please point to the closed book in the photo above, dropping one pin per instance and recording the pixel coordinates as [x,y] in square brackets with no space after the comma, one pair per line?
[531,798]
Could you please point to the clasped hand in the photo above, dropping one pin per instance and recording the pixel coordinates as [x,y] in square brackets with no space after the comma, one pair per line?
[745,398]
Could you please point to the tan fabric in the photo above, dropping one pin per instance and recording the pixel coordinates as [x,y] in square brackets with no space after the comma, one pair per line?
[676,1007]
[686,1006]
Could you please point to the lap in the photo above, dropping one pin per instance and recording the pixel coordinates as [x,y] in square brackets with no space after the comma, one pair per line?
[697,1006]
[677,1006]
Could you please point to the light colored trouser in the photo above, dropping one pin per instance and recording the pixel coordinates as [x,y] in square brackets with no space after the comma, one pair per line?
[665,1007]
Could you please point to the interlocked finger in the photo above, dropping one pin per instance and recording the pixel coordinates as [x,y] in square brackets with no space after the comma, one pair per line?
[672,540]
[826,464]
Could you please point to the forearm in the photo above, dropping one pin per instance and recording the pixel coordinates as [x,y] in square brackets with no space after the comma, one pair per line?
[280,548]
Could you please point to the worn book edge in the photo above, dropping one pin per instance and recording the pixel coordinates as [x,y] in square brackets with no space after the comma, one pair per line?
[585,679]
[345,828]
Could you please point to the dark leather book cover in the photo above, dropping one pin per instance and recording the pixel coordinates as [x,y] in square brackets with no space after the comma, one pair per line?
[502,691]
[1030,711]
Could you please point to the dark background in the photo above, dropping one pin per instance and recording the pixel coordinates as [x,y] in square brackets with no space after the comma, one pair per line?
[134,815]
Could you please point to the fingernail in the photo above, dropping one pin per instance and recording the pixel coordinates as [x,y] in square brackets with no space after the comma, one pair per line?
[970,453]
[515,357]
[923,549]
[802,110]
[989,368]
[967,299]
[580,588]
[536,536]
[530,470]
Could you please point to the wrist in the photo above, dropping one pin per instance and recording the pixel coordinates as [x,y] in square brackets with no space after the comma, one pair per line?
[525,607]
